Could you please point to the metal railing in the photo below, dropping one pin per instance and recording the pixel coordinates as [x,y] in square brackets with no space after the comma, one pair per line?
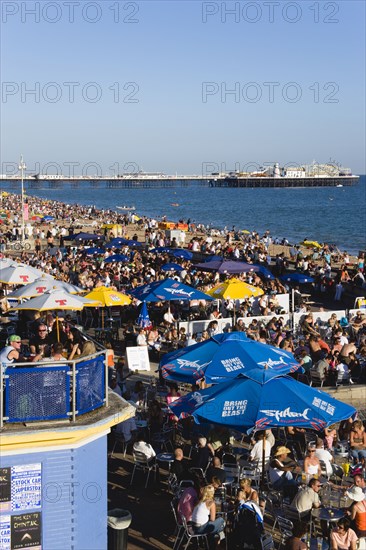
[53,391]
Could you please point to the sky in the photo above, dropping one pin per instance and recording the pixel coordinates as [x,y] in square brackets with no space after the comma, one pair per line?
[183,87]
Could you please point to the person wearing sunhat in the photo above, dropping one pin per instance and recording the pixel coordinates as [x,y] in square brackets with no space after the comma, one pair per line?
[11,352]
[281,468]
[358,510]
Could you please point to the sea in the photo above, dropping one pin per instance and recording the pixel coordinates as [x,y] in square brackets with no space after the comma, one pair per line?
[335,215]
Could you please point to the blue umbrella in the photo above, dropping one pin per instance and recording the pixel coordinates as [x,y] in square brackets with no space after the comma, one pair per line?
[227,266]
[93,250]
[214,257]
[119,242]
[172,267]
[244,403]
[298,278]
[176,252]
[161,249]
[143,319]
[48,218]
[167,290]
[86,237]
[116,258]
[182,253]
[265,272]
[226,356]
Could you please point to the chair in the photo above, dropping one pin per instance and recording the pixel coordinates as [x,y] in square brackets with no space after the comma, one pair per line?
[199,473]
[315,378]
[178,532]
[267,542]
[285,527]
[253,475]
[228,458]
[161,440]
[190,535]
[342,377]
[120,439]
[232,474]
[141,462]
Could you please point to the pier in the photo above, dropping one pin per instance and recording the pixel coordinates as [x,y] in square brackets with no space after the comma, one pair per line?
[54,182]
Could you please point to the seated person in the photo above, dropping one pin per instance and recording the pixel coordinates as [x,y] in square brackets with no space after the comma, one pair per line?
[218,438]
[204,519]
[189,499]
[281,468]
[295,542]
[357,511]
[145,448]
[307,498]
[204,454]
[216,470]
[324,455]
[246,492]
[180,465]
[343,537]
[256,454]
[311,462]
[41,342]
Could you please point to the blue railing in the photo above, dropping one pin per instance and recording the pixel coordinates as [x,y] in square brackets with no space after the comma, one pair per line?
[46,391]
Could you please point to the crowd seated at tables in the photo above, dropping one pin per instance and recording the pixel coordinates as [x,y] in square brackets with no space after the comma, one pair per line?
[304,471]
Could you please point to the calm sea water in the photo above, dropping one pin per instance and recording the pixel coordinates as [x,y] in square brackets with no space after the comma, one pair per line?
[329,214]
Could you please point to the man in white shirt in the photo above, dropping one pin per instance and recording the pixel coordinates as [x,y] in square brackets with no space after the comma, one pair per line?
[141,338]
[145,448]
[256,454]
[307,498]
[324,455]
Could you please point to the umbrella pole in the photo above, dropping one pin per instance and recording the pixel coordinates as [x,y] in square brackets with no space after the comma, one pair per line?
[293,309]
[57,328]
[102,317]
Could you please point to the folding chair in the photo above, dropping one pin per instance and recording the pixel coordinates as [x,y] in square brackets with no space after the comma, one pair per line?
[141,462]
[119,439]
[191,535]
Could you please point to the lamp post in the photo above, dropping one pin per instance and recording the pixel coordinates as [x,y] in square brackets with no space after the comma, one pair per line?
[22,167]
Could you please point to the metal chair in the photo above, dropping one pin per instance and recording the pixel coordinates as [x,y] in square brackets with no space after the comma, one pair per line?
[190,535]
[178,532]
[119,439]
[253,475]
[267,542]
[315,378]
[141,462]
[161,440]
[285,527]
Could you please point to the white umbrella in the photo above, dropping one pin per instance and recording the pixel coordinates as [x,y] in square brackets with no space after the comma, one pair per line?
[19,274]
[42,285]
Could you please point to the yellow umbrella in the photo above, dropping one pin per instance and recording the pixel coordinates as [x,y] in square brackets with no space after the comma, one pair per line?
[234,289]
[245,231]
[311,244]
[108,298]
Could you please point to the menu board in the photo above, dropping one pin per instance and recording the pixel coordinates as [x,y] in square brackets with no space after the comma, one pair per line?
[138,358]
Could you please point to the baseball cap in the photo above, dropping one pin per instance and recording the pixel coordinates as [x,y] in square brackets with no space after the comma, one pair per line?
[14,338]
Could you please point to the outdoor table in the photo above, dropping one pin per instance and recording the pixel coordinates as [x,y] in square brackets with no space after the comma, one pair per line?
[166,457]
[329,515]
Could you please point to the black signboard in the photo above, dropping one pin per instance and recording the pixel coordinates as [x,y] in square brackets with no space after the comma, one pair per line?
[26,531]
[5,486]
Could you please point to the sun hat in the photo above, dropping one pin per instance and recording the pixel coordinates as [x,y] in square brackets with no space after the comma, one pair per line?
[14,338]
[282,451]
[355,493]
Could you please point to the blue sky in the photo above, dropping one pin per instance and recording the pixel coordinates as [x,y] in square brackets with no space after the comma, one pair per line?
[161,73]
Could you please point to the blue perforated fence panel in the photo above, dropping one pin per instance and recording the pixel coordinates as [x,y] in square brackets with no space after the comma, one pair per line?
[37,393]
[90,385]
